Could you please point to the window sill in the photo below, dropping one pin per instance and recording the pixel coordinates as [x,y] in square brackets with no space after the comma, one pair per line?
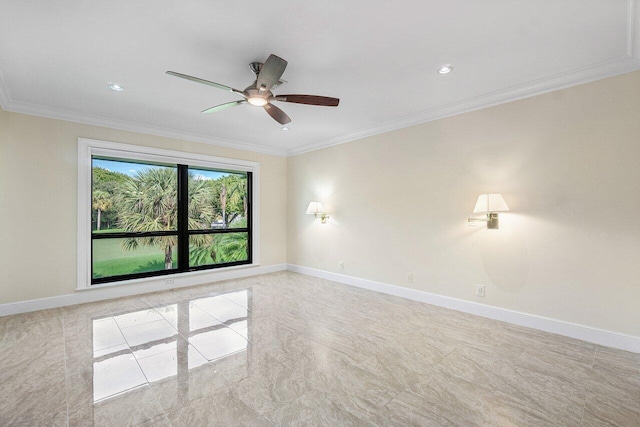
[178,280]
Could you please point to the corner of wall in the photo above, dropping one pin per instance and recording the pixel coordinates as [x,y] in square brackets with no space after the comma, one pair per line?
[4,95]
[634,28]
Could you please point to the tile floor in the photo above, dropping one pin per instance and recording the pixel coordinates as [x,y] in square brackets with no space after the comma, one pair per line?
[287,349]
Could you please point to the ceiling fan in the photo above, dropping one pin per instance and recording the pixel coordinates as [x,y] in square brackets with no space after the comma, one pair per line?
[259,92]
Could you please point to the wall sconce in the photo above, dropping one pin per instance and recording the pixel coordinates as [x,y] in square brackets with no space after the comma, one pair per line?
[317,210]
[489,204]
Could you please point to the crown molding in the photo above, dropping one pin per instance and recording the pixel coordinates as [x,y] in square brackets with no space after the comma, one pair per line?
[564,80]
[576,77]
[89,119]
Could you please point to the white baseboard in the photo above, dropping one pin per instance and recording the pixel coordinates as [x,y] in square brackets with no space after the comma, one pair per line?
[99,294]
[581,332]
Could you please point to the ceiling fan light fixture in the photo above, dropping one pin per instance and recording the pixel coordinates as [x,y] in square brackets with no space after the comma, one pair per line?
[115,86]
[445,69]
[257,101]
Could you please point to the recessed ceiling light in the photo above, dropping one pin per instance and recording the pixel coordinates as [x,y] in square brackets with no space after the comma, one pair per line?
[284,128]
[445,69]
[116,87]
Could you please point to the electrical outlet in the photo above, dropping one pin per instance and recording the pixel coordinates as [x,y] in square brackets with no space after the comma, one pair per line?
[341,265]
[409,277]
[480,290]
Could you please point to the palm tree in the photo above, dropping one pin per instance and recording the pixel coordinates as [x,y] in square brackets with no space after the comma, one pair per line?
[148,202]
[222,248]
[100,201]
[232,247]
[233,198]
[237,194]
[223,204]
[242,187]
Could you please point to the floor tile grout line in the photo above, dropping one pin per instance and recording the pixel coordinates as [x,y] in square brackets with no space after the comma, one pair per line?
[253,408]
[584,408]
[131,351]
[187,338]
[155,396]
[405,390]
[447,355]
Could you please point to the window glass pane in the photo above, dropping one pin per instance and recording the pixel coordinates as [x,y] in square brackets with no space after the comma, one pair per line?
[117,257]
[130,196]
[218,248]
[217,199]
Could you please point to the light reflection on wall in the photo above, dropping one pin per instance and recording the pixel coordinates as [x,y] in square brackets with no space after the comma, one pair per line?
[166,344]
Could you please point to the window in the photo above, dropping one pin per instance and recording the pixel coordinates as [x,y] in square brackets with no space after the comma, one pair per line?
[147,212]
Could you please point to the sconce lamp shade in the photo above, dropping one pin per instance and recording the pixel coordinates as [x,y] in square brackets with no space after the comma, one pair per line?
[315,208]
[492,202]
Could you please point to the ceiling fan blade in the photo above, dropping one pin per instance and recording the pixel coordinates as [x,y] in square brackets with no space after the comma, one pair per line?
[224,106]
[278,83]
[205,82]
[271,72]
[309,100]
[277,114]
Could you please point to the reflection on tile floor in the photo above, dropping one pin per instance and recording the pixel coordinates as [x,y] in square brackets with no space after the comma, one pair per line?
[287,349]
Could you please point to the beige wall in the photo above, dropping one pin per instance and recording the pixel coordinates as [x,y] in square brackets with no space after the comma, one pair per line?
[568,165]
[38,199]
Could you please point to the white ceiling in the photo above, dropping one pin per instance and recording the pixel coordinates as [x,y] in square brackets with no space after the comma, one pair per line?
[379,57]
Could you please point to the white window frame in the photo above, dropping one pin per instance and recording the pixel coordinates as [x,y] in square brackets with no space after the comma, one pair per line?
[90,147]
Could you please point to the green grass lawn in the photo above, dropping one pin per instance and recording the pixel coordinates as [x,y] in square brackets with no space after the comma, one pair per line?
[111,260]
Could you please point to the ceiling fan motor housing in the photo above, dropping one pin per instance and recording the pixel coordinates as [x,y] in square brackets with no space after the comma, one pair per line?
[256,96]
[256,67]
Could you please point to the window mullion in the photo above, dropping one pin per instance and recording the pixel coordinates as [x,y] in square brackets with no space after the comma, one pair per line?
[183,217]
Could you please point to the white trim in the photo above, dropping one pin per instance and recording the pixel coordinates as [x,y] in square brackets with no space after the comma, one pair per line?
[128,290]
[559,81]
[255,215]
[89,119]
[141,152]
[83,218]
[581,332]
[88,147]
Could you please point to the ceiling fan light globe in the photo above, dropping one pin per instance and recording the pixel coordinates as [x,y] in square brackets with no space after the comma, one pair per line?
[257,101]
